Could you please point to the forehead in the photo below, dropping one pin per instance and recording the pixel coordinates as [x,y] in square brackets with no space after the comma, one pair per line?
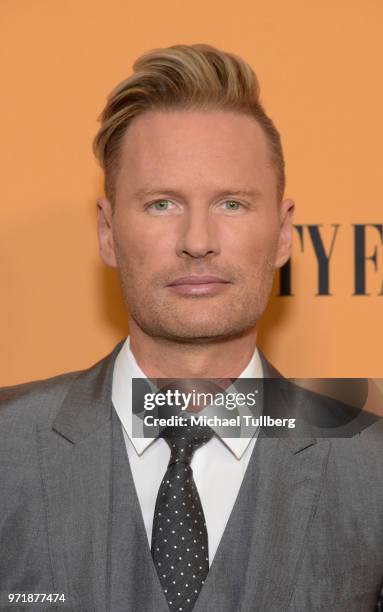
[189,146]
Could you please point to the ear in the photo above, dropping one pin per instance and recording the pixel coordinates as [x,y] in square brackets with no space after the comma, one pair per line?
[105,232]
[285,232]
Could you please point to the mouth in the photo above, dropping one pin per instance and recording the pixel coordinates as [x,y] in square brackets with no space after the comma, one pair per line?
[199,285]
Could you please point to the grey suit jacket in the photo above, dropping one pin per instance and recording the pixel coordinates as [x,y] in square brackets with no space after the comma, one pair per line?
[305,534]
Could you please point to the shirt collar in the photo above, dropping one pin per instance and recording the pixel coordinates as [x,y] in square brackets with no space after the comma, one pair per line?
[126,368]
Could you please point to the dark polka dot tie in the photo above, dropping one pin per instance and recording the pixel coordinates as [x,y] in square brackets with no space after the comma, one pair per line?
[179,538]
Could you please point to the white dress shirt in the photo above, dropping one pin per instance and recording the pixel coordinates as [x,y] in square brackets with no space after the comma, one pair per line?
[218,466]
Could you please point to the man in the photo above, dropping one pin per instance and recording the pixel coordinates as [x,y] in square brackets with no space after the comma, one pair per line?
[195,221]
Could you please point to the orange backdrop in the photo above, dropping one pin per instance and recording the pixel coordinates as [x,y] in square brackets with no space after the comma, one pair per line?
[319,65]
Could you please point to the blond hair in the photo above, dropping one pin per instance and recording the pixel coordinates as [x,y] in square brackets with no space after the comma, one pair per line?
[195,76]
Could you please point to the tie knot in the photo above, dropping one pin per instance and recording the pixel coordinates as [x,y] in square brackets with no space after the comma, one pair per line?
[184,441]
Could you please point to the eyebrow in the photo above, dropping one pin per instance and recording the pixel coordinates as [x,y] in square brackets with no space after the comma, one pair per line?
[248,193]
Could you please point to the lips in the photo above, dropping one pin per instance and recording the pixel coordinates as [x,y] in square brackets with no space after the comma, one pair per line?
[199,285]
[197,280]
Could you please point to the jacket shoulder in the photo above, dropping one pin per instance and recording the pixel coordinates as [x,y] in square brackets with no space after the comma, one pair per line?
[37,403]
[36,400]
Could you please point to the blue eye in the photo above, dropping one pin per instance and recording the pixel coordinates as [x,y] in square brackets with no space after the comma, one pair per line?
[161,205]
[232,205]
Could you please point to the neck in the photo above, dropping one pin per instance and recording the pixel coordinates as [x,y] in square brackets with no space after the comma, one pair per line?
[164,358]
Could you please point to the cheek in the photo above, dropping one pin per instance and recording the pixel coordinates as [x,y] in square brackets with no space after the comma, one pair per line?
[253,241]
[140,245]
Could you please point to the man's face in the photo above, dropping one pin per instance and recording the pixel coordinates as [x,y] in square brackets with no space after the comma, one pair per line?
[196,231]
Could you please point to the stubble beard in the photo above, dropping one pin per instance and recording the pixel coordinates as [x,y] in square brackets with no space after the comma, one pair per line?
[196,320]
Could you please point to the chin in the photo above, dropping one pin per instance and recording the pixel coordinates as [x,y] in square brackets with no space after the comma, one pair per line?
[208,322]
[198,332]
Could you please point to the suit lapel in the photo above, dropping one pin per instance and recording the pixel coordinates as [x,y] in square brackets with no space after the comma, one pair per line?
[271,518]
[287,483]
[259,557]
[290,473]
[76,457]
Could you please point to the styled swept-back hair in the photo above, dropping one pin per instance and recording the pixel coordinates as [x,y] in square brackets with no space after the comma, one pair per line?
[182,77]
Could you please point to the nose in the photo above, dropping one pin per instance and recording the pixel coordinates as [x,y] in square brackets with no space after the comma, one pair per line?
[198,235]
